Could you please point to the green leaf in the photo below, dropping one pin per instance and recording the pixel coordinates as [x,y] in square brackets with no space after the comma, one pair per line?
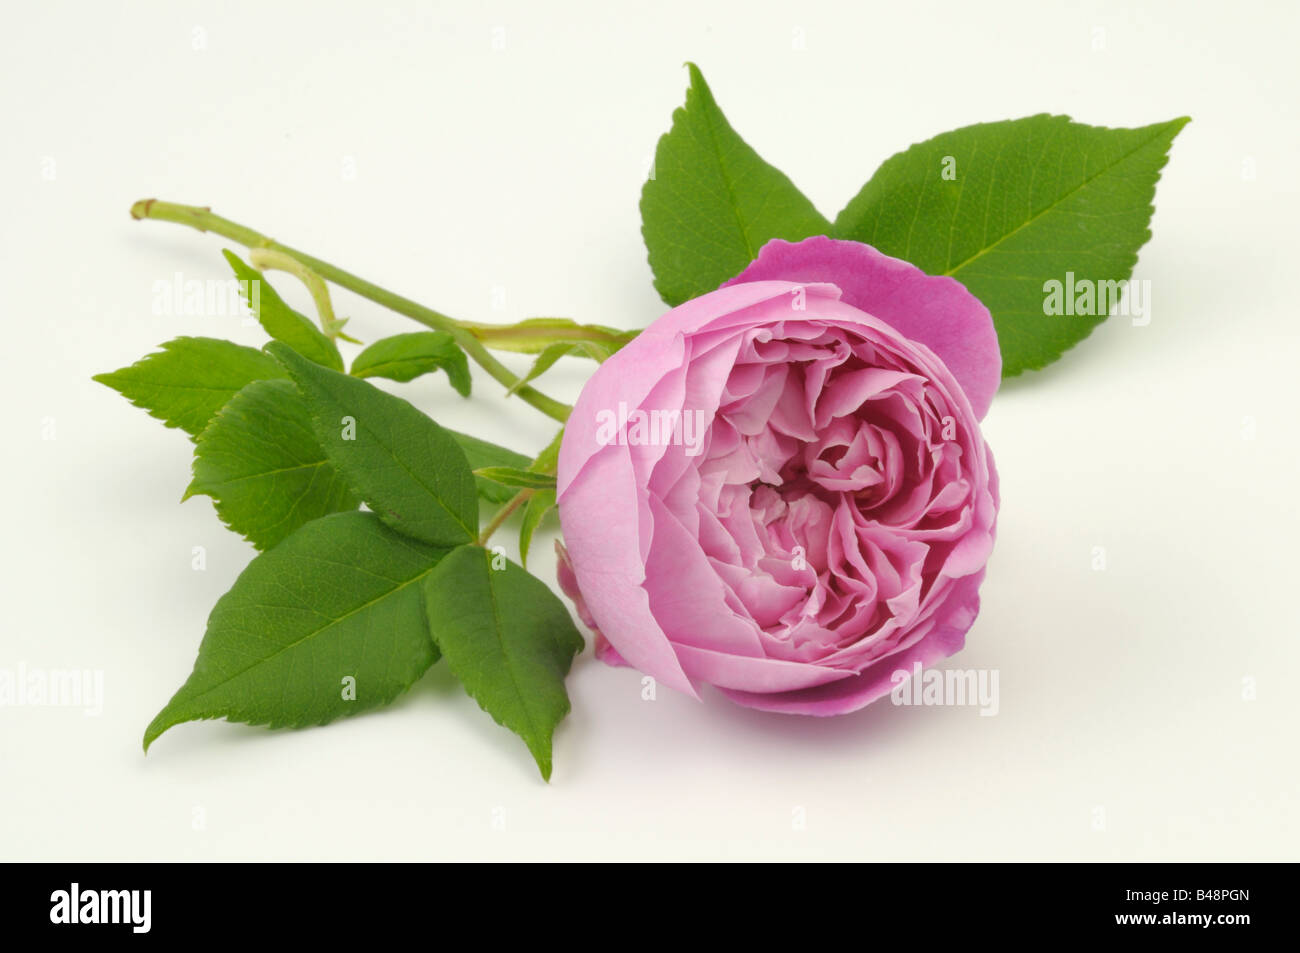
[712,202]
[404,357]
[406,468]
[509,641]
[522,479]
[281,321]
[539,504]
[483,453]
[548,461]
[190,379]
[534,335]
[338,600]
[261,463]
[1031,200]
[480,454]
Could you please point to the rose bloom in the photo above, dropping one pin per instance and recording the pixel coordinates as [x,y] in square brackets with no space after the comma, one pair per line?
[780,488]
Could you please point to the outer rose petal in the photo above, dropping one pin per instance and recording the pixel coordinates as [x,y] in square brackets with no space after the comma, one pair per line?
[569,584]
[937,311]
[597,532]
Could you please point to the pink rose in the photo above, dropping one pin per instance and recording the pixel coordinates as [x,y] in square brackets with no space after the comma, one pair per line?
[780,487]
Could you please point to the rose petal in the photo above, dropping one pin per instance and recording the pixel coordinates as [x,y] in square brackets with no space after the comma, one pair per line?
[937,311]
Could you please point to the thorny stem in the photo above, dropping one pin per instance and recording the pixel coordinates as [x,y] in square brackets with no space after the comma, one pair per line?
[205,220]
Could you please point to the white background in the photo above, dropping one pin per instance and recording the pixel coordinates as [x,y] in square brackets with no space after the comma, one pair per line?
[511,176]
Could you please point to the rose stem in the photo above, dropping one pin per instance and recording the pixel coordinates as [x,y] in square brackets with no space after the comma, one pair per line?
[204,220]
[502,515]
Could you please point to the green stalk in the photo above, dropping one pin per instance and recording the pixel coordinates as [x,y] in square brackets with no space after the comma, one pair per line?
[503,514]
[546,462]
[204,220]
